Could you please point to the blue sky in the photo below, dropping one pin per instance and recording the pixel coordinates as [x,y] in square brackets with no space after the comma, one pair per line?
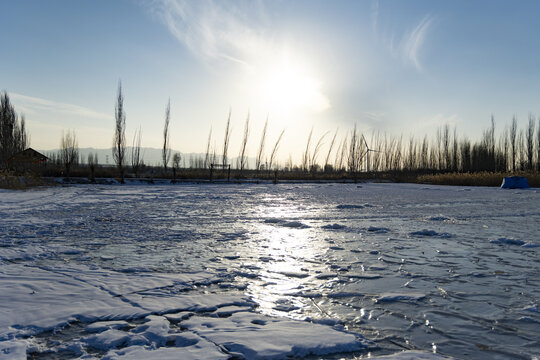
[402,67]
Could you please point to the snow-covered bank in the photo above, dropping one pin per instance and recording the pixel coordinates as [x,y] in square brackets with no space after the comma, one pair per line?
[264,271]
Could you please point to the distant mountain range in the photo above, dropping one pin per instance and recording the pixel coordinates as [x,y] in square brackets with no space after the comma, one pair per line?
[151,156]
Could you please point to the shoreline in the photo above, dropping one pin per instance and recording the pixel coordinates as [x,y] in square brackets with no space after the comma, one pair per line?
[23,182]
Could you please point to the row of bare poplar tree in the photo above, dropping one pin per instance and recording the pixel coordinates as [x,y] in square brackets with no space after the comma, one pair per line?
[513,149]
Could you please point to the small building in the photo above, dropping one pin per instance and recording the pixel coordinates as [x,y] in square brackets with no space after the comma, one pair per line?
[26,160]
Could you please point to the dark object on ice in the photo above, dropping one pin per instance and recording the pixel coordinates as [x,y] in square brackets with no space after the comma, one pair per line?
[515,182]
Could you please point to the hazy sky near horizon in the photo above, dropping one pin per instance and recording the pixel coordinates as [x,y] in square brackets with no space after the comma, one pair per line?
[390,66]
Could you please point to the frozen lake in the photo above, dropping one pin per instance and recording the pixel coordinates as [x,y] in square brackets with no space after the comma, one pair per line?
[270,271]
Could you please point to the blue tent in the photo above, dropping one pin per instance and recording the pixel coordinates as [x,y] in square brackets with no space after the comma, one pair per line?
[515,182]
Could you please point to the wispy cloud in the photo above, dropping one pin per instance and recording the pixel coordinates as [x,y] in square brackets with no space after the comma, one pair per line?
[373,116]
[240,32]
[215,29]
[374,15]
[30,104]
[412,42]
[405,45]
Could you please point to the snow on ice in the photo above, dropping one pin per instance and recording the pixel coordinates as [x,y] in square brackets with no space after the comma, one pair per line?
[223,271]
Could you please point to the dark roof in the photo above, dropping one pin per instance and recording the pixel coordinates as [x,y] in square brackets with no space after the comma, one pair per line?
[28,156]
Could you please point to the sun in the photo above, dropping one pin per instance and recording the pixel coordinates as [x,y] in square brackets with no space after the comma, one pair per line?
[287,87]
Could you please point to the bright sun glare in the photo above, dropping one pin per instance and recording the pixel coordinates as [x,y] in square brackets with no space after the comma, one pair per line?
[287,87]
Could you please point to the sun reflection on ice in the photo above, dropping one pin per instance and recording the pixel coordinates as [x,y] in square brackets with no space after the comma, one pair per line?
[288,254]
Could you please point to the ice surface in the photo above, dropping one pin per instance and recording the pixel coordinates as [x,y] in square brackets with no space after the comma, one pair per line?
[255,336]
[411,355]
[226,270]
[187,347]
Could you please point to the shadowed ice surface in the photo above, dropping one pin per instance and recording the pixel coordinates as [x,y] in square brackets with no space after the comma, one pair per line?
[373,270]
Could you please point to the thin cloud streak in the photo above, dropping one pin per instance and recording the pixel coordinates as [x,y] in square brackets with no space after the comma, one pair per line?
[34,104]
[214,30]
[413,41]
[374,15]
[409,45]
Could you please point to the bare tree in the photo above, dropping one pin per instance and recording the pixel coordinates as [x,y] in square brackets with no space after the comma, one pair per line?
[505,144]
[410,161]
[260,152]
[465,155]
[424,154]
[7,125]
[522,162]
[446,146]
[341,153]
[21,138]
[166,151]
[274,150]
[376,156]
[136,158]
[455,150]
[492,143]
[242,156]
[354,145]
[207,160]
[439,149]
[538,145]
[176,164]
[313,161]
[226,140]
[13,134]
[327,166]
[530,142]
[69,150]
[337,156]
[119,140]
[289,163]
[306,155]
[397,154]
[513,135]
[213,157]
[92,162]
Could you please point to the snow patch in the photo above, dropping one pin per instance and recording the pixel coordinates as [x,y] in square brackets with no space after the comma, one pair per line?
[107,340]
[333,227]
[353,206]
[255,336]
[391,297]
[513,241]
[285,223]
[107,325]
[14,349]
[378,230]
[430,233]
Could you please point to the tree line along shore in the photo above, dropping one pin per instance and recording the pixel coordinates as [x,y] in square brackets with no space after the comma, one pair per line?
[443,158]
